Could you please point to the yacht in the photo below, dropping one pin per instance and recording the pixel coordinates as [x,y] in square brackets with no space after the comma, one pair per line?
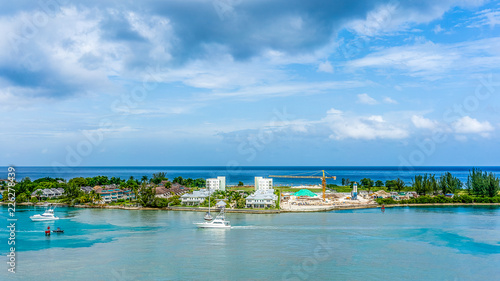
[218,222]
[48,215]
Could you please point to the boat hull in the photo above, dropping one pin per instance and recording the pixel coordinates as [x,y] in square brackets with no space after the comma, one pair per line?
[34,218]
[210,225]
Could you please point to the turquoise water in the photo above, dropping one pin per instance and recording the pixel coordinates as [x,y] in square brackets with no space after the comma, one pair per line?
[424,243]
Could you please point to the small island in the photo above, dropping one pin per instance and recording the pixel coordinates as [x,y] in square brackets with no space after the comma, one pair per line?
[158,192]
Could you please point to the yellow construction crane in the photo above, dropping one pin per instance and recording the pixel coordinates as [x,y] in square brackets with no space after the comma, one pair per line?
[323,178]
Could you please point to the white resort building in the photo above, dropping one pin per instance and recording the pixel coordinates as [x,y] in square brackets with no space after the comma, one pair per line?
[264,194]
[261,199]
[218,183]
[195,198]
[263,183]
[198,196]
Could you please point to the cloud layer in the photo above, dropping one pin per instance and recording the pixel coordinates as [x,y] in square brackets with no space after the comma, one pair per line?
[199,73]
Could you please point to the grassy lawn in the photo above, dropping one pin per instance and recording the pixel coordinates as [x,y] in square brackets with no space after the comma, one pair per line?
[242,188]
[288,189]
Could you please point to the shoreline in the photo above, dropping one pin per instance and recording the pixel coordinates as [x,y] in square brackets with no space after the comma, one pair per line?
[441,204]
[274,211]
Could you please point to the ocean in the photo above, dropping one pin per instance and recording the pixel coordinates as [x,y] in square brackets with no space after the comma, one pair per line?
[246,174]
[403,243]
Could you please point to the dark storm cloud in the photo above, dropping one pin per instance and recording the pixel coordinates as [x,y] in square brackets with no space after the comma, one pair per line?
[247,28]
[243,29]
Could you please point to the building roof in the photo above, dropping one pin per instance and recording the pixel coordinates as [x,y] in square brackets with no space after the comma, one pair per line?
[305,192]
[381,193]
[263,195]
[86,188]
[202,193]
[160,190]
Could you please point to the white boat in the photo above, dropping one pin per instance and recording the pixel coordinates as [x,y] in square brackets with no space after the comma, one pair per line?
[218,222]
[215,223]
[48,215]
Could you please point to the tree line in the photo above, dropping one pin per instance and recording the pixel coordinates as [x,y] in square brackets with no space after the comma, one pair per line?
[142,188]
[479,183]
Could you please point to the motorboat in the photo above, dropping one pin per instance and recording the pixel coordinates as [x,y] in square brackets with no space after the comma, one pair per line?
[48,215]
[58,230]
[218,222]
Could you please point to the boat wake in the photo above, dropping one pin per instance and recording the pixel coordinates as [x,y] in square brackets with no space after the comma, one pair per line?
[27,231]
[256,227]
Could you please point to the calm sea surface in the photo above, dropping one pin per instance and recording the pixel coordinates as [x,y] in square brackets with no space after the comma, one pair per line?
[245,174]
[419,243]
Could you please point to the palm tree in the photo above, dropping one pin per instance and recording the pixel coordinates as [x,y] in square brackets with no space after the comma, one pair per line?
[39,194]
[98,197]
[92,196]
[399,184]
[144,178]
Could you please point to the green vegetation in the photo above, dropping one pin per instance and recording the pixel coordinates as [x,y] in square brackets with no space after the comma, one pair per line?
[159,177]
[346,182]
[189,182]
[426,184]
[449,184]
[482,184]
[367,183]
[246,189]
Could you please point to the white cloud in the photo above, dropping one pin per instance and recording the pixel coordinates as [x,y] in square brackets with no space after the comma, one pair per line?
[396,16]
[366,99]
[337,125]
[282,89]
[486,17]
[420,59]
[333,111]
[366,128]
[325,66]
[389,100]
[376,118]
[377,21]
[432,61]
[423,123]
[468,125]
[438,29]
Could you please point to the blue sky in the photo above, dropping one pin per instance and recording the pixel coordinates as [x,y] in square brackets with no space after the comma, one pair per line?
[233,82]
